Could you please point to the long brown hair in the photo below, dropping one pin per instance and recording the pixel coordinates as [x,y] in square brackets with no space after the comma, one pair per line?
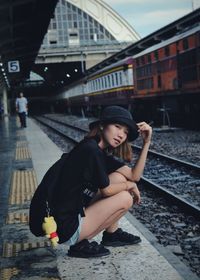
[124,151]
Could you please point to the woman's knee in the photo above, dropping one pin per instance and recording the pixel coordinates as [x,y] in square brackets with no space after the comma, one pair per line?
[126,200]
[116,177]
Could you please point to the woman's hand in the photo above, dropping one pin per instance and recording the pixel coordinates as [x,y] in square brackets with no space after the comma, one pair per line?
[145,131]
[133,190]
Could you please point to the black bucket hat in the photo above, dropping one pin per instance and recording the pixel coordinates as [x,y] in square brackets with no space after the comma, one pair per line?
[117,114]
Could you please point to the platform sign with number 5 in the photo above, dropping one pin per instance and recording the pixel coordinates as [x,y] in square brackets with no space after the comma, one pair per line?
[13,66]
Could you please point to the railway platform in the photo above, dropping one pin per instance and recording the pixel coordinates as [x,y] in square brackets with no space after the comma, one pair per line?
[26,154]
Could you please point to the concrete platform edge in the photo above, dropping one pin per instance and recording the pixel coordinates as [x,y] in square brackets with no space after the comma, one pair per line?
[182,269]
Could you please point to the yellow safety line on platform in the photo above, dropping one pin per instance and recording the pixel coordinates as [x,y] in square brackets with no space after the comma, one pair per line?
[8,273]
[20,133]
[23,186]
[15,218]
[22,153]
[21,144]
[12,249]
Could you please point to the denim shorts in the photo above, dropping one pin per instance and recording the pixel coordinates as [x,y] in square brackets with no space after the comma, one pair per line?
[73,240]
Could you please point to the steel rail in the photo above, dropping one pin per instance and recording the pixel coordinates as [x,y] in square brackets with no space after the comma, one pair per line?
[57,131]
[182,203]
[172,159]
[166,157]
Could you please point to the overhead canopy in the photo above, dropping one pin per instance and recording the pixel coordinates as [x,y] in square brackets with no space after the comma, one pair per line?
[23,24]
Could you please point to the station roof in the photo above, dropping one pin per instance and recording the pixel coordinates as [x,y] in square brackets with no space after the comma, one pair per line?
[23,24]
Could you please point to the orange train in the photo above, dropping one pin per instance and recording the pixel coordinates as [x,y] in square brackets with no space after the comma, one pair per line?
[170,67]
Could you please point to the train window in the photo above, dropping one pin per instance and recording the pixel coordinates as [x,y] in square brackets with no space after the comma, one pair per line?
[189,74]
[149,58]
[151,82]
[120,78]
[148,70]
[101,79]
[116,78]
[159,81]
[113,80]
[109,82]
[99,83]
[145,83]
[143,71]
[156,55]
[103,85]
[175,83]
[167,51]
[143,59]
[105,82]
[185,44]
[159,67]
[137,62]
[188,58]
[139,72]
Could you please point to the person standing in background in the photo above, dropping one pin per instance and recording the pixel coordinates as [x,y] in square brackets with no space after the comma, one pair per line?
[22,108]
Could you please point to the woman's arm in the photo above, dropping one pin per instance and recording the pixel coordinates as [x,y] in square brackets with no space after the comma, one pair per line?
[128,186]
[114,188]
[135,173]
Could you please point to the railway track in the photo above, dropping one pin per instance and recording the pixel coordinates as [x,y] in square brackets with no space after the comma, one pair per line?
[174,179]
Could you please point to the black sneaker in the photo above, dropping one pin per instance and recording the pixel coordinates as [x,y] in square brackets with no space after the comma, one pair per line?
[119,238]
[85,249]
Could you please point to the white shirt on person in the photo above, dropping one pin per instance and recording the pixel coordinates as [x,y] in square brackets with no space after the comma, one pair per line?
[21,104]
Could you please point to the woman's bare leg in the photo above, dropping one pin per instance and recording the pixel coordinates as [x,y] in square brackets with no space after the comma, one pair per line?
[105,213]
[115,177]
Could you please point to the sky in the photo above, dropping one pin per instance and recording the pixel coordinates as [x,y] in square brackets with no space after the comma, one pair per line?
[147,16]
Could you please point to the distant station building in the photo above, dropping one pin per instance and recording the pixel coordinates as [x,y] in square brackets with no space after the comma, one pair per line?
[88,30]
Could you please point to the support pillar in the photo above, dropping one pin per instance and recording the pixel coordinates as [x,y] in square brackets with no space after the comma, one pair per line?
[5,101]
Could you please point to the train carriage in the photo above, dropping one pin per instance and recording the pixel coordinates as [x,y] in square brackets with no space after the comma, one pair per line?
[113,84]
[170,67]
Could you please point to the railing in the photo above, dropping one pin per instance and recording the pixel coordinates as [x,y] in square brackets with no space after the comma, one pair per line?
[59,49]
